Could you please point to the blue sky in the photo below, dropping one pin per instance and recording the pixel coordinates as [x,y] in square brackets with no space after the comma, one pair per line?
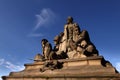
[23,23]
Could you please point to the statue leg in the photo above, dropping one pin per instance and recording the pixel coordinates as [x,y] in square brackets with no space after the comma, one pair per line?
[85,35]
[91,50]
[52,55]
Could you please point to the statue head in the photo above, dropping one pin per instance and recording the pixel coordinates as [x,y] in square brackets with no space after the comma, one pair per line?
[56,40]
[38,57]
[44,41]
[69,20]
[76,29]
[61,34]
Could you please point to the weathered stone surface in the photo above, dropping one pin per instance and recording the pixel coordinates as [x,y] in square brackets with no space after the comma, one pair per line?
[89,68]
[74,57]
[92,76]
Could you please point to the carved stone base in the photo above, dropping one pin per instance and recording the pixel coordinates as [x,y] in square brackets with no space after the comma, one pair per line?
[89,68]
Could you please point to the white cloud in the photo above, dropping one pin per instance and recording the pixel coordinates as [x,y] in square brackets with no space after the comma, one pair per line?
[2,61]
[118,66]
[45,18]
[35,35]
[10,65]
[13,67]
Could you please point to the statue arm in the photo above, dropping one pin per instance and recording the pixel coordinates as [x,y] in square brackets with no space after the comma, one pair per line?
[48,48]
[43,51]
[65,33]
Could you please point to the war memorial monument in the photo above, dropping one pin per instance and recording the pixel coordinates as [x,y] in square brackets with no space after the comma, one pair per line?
[74,57]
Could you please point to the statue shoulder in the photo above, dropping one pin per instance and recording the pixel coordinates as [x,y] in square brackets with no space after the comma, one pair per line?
[65,26]
[75,24]
[48,44]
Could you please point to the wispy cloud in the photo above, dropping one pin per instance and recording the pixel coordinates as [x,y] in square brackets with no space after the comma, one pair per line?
[45,18]
[10,65]
[118,66]
[13,67]
[2,61]
[35,35]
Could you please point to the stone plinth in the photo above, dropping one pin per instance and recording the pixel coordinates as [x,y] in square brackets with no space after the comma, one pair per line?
[89,68]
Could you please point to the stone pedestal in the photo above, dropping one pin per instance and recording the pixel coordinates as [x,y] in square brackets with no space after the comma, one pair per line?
[89,68]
